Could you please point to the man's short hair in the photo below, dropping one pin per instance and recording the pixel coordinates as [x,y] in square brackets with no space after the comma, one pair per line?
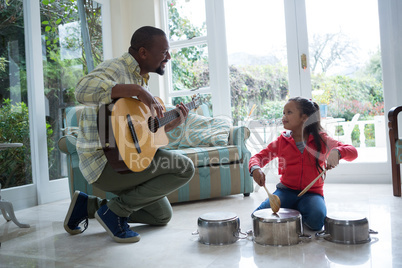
[143,37]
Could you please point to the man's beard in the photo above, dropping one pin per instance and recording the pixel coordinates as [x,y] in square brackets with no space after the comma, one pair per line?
[160,70]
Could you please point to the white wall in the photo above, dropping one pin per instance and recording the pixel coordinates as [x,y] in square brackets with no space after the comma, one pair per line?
[126,17]
[391,52]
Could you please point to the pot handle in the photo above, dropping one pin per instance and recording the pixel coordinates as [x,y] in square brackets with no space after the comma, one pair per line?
[245,235]
[371,231]
[195,233]
[322,234]
[305,236]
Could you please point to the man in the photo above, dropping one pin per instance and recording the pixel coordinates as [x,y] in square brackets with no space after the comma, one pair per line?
[141,195]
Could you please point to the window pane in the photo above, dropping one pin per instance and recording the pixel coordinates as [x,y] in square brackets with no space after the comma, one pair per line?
[190,68]
[15,163]
[256,44]
[64,63]
[346,72]
[186,19]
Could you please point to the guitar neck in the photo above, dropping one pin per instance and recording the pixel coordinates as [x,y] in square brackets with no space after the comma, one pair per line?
[173,114]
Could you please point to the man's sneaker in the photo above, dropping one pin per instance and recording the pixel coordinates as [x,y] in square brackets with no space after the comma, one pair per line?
[117,227]
[77,214]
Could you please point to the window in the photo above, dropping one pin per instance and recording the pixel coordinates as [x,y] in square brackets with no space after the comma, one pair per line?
[277,44]
[194,66]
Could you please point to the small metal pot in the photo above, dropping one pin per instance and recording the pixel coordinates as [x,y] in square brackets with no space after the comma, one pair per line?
[346,228]
[219,228]
[283,228]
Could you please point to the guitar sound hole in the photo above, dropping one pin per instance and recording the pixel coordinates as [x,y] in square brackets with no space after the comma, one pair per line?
[153,124]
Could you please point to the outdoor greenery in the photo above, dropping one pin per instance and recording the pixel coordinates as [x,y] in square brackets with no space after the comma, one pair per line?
[64,63]
[189,64]
[15,168]
[266,86]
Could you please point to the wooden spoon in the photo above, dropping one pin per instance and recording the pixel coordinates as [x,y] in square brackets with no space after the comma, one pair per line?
[274,201]
[311,184]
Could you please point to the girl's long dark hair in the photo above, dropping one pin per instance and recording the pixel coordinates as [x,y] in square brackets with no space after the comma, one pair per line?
[312,125]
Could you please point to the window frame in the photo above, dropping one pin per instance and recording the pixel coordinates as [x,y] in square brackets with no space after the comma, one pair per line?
[219,86]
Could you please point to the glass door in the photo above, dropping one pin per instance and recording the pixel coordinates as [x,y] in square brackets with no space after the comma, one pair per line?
[72,45]
[319,50]
[38,86]
[15,163]
[67,56]
[257,57]
[346,74]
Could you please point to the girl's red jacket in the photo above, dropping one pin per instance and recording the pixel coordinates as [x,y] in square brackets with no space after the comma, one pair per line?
[298,169]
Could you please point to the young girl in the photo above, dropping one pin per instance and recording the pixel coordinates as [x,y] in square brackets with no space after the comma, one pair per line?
[303,151]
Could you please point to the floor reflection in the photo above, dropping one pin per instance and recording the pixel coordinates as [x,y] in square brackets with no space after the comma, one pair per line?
[46,244]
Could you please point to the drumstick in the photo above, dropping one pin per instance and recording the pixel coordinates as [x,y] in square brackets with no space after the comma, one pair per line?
[311,184]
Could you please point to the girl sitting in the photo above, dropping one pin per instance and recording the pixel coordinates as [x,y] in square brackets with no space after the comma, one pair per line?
[303,151]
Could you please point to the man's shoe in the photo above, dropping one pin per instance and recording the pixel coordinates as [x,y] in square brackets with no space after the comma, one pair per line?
[77,214]
[117,227]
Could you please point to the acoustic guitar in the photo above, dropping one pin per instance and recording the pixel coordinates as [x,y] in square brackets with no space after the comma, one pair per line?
[130,136]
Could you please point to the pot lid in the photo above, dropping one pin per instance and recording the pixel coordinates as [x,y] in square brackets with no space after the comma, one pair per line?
[345,217]
[283,215]
[218,216]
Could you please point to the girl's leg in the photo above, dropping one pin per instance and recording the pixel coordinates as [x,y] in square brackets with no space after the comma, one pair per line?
[313,210]
[288,199]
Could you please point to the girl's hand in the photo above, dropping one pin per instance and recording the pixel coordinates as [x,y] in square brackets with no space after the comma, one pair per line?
[259,177]
[333,159]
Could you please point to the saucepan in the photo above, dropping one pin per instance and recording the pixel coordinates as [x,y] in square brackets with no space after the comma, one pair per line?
[219,228]
[283,228]
[346,228]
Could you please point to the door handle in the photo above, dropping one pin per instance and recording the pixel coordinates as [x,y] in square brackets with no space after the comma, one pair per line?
[303,61]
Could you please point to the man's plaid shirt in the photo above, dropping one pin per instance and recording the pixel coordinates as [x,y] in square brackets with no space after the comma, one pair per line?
[94,90]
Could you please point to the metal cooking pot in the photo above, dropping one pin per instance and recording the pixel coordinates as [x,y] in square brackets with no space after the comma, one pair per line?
[346,228]
[219,228]
[283,228]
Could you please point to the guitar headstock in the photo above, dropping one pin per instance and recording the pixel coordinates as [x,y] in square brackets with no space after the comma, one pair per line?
[196,98]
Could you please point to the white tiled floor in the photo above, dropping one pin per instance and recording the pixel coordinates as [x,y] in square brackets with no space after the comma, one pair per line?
[46,244]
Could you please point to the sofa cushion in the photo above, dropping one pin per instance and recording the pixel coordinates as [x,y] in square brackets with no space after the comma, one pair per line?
[174,137]
[205,131]
[204,156]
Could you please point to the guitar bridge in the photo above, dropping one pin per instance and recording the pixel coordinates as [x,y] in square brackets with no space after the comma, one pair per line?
[133,134]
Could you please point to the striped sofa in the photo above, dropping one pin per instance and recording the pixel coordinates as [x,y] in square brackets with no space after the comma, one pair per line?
[221,169]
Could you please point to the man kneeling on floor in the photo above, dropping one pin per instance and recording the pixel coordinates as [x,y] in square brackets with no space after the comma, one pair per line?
[141,196]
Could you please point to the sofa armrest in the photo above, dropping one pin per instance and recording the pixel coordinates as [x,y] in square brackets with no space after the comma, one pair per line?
[238,135]
[66,144]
